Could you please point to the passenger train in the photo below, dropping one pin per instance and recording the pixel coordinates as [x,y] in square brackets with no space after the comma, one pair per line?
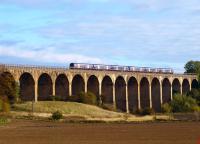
[119,68]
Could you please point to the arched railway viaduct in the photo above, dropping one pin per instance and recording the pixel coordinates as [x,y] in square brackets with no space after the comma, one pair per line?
[127,91]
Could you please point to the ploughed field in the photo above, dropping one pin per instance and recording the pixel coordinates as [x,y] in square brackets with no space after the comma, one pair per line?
[41,132]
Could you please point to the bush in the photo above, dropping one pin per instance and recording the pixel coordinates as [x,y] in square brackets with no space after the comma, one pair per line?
[57,115]
[195,93]
[87,98]
[196,109]
[182,103]
[166,108]
[138,111]
[56,98]
[3,120]
[145,111]
[4,104]
[75,98]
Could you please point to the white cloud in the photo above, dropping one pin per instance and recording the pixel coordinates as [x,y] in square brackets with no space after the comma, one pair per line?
[165,41]
[48,55]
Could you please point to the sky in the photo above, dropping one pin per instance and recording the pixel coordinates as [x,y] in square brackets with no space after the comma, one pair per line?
[151,33]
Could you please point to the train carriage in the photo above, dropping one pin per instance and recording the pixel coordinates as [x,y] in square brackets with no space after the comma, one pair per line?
[86,66]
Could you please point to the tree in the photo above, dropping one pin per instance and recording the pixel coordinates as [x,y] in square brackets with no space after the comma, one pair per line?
[192,67]
[8,87]
[195,94]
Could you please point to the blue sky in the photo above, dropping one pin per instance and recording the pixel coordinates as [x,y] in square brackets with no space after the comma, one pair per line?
[155,33]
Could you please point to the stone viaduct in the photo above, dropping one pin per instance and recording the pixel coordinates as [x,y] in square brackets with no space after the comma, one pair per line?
[126,91]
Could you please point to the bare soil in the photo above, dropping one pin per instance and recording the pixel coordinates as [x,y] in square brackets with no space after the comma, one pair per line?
[41,132]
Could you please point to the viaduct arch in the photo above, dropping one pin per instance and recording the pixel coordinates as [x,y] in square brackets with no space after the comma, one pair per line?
[155,93]
[27,87]
[45,87]
[133,94]
[78,85]
[62,87]
[185,86]
[145,93]
[93,85]
[195,83]
[107,90]
[176,86]
[166,91]
[120,93]
[127,91]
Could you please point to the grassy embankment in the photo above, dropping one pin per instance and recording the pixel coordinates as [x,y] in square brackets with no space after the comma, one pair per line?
[73,110]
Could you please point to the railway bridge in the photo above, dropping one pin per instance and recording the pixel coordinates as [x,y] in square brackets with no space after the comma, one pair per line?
[126,91]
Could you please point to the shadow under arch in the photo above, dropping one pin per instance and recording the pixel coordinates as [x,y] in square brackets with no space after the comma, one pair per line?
[93,86]
[107,90]
[144,93]
[133,94]
[166,91]
[155,93]
[45,87]
[185,86]
[78,85]
[195,84]
[27,87]
[62,87]
[176,86]
[120,93]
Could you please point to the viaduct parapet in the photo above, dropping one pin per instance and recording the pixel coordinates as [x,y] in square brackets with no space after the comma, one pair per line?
[126,91]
